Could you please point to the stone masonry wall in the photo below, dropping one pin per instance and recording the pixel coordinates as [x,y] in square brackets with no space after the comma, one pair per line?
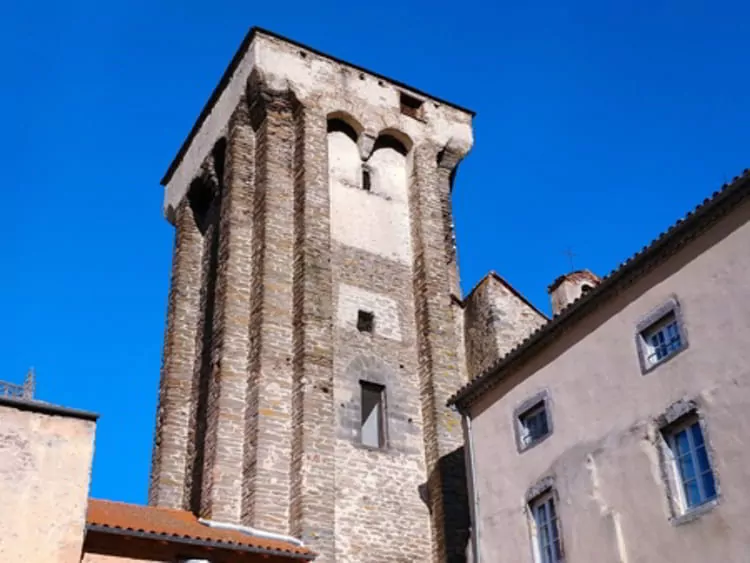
[260,397]
[496,320]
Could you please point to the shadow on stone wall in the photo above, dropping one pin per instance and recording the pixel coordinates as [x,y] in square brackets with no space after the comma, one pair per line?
[456,501]
[457,524]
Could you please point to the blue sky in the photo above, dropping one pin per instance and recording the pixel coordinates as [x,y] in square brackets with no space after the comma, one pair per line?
[598,125]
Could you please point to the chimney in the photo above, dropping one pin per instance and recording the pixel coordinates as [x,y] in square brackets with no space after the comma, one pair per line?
[569,287]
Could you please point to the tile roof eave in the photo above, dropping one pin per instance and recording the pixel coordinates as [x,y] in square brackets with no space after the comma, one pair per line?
[697,220]
[199,542]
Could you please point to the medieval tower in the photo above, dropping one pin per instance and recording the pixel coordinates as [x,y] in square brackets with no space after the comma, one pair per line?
[314,331]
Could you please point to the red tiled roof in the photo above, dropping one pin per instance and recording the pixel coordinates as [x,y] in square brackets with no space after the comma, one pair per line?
[180,525]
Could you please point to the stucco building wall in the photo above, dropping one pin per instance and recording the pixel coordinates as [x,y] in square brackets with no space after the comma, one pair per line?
[603,455]
[45,467]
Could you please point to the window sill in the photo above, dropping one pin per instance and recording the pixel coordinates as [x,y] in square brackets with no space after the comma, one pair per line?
[695,513]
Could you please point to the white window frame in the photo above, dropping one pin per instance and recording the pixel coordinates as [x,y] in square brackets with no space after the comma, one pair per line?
[658,322]
[677,478]
[548,500]
[668,329]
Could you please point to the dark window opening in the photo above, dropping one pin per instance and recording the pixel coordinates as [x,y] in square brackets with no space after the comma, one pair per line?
[533,424]
[410,106]
[365,321]
[366,180]
[343,127]
[389,142]
[200,197]
[372,429]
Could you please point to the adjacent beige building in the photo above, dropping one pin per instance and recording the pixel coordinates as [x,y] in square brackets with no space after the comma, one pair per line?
[618,431]
[45,468]
[46,514]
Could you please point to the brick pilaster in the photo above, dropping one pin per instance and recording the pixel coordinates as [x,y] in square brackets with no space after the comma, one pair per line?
[268,421]
[437,340]
[224,443]
[313,455]
[169,467]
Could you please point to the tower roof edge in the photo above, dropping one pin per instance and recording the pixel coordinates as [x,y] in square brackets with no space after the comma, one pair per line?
[239,55]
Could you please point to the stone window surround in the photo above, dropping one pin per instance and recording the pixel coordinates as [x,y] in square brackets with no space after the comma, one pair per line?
[380,377]
[672,305]
[542,396]
[675,414]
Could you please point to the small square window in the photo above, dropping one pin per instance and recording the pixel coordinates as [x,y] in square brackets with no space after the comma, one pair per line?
[533,423]
[660,336]
[692,474]
[545,529]
[410,106]
[365,321]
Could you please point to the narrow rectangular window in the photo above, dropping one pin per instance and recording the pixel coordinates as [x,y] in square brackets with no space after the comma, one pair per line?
[373,415]
[693,474]
[366,180]
[546,529]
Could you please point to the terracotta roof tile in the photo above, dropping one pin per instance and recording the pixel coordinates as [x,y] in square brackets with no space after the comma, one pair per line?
[181,525]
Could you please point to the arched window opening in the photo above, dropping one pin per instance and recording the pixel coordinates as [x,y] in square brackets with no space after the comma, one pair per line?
[337,124]
[390,142]
[200,196]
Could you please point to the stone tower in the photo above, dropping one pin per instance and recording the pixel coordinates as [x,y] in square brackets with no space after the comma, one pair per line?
[313,333]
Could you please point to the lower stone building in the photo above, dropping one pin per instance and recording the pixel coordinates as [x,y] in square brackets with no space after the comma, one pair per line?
[618,430]
[46,514]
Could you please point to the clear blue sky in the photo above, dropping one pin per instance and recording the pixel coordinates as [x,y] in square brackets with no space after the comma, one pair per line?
[599,124]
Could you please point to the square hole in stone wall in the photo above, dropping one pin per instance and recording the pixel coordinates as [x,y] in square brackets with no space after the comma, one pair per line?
[365,321]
